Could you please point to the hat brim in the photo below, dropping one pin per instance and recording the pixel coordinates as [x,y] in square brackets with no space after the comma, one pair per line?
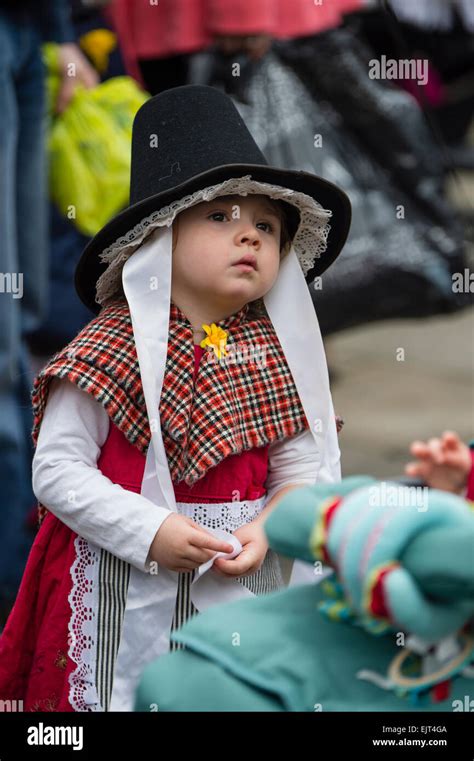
[90,268]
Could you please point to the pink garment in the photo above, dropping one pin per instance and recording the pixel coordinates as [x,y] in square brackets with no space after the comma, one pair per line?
[173,27]
[145,30]
[278,18]
[242,16]
[304,17]
[470,479]
[434,92]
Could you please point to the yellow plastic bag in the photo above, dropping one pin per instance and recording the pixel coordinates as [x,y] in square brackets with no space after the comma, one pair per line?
[89,151]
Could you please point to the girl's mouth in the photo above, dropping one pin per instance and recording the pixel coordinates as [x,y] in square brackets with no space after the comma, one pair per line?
[245,267]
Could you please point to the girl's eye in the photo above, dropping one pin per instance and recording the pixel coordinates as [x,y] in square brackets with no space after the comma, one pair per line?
[268,225]
[221,214]
[217,214]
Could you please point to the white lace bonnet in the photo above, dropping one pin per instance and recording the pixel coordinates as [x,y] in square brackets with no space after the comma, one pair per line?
[309,241]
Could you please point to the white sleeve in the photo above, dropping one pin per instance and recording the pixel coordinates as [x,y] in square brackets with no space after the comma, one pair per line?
[295,460]
[67,481]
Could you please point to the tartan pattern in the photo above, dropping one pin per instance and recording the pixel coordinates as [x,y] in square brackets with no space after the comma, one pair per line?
[102,361]
[232,407]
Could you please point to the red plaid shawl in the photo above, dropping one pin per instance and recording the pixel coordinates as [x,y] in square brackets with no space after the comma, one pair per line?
[231,407]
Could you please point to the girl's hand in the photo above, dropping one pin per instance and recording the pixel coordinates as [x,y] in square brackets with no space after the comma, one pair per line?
[180,544]
[254,548]
[444,463]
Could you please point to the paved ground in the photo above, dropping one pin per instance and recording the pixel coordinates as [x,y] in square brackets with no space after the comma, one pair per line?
[386,403]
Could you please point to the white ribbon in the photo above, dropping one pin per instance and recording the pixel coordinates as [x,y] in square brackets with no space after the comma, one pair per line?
[291,310]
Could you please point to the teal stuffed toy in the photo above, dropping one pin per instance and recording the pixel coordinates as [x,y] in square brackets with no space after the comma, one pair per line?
[391,630]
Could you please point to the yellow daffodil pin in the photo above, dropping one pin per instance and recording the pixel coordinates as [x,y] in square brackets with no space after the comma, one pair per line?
[216,337]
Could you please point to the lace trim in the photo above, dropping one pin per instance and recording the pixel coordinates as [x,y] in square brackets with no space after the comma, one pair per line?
[82,627]
[228,516]
[310,239]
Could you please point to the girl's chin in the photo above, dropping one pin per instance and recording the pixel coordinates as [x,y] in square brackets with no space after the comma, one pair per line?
[236,287]
[240,295]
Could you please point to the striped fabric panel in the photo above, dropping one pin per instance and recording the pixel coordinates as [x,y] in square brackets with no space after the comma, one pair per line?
[267,579]
[184,607]
[114,576]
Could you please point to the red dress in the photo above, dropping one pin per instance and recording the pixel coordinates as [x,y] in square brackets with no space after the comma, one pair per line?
[34,661]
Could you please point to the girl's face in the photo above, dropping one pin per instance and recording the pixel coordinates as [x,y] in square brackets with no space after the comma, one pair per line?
[212,237]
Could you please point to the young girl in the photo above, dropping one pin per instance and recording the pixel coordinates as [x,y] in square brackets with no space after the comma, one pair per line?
[168,428]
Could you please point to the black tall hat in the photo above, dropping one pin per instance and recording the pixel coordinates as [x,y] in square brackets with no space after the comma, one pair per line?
[188,138]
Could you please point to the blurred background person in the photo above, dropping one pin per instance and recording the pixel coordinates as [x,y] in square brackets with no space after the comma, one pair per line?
[161,39]
[24,24]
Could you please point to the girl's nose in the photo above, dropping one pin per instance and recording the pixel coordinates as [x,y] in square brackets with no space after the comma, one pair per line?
[250,237]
